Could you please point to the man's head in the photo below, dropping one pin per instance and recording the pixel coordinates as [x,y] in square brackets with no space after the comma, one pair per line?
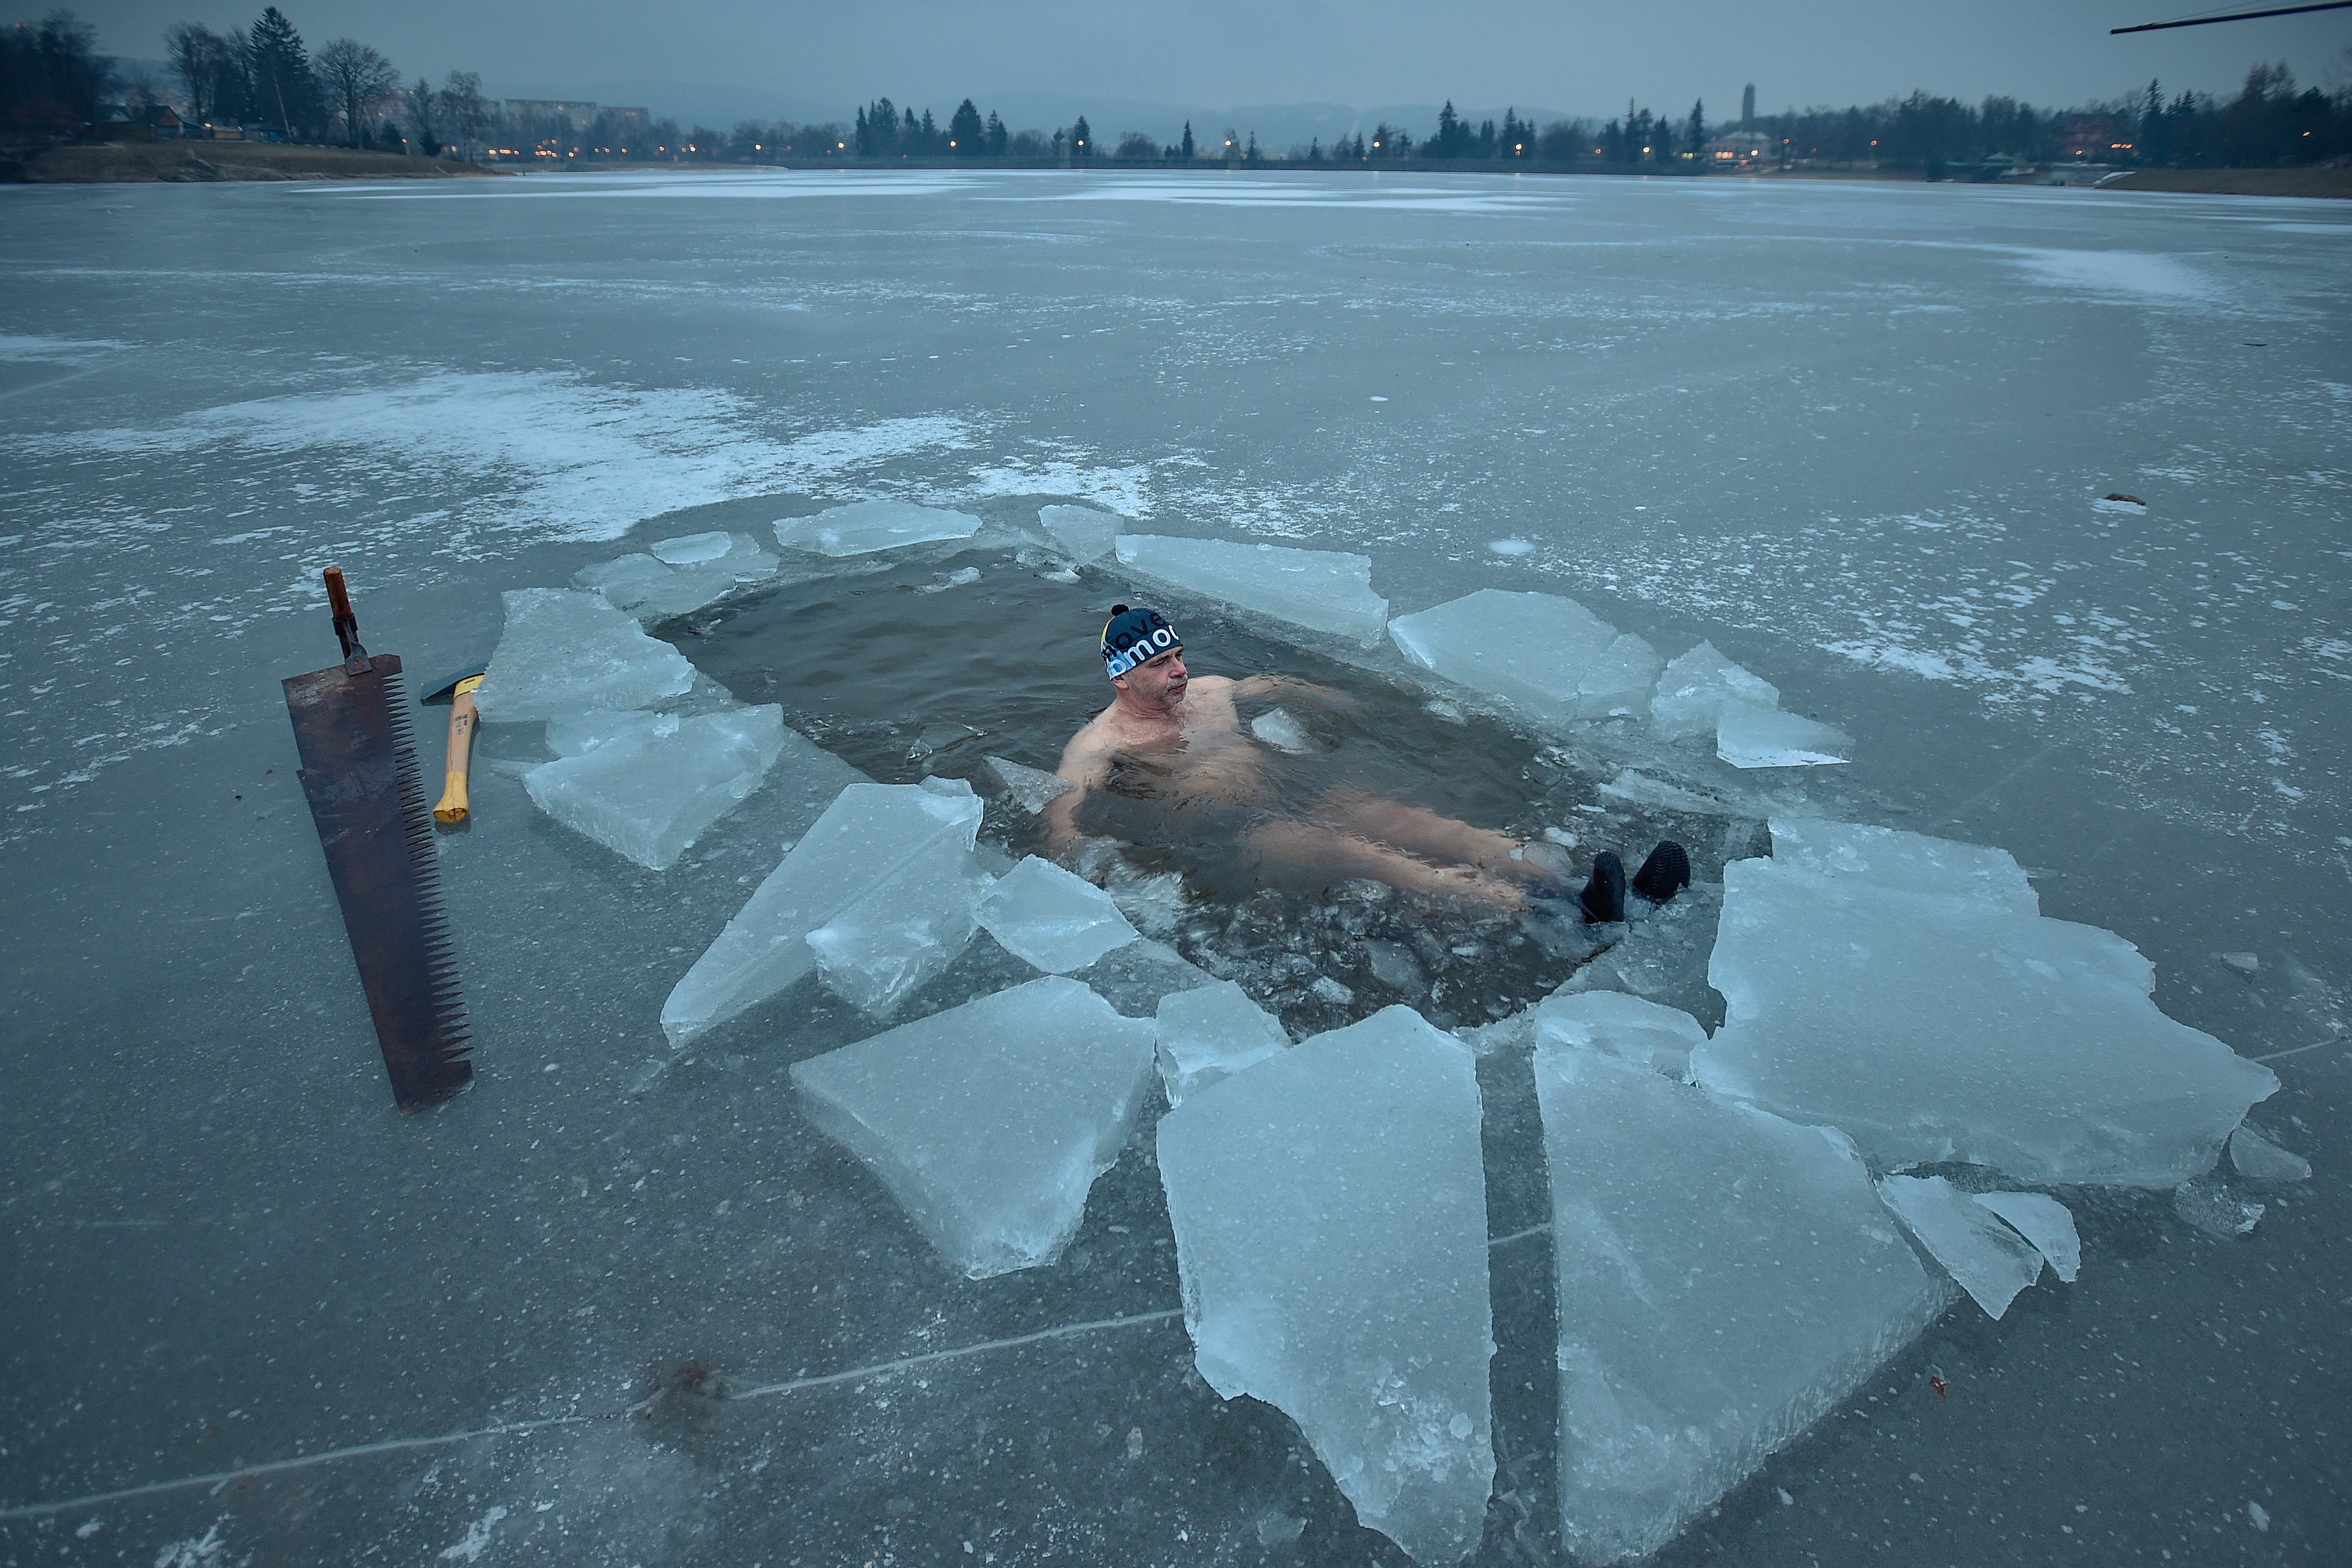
[1145,658]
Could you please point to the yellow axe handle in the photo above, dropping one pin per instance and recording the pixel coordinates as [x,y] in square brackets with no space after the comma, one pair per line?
[454,806]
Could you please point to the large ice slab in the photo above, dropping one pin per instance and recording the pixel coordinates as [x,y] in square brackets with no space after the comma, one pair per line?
[1748,736]
[1991,1261]
[1627,1028]
[863,527]
[1692,691]
[1530,649]
[1330,1213]
[989,1121]
[1322,590]
[674,576]
[649,790]
[563,651]
[1209,1033]
[904,931]
[1087,534]
[1936,1026]
[869,834]
[1905,862]
[1617,684]
[1055,920]
[1725,1279]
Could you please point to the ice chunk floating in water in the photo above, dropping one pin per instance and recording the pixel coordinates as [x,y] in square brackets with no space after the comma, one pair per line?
[1330,1213]
[1277,729]
[1692,692]
[1748,736]
[1085,534]
[869,834]
[2044,1221]
[563,652]
[651,787]
[1725,1278]
[1035,788]
[864,527]
[1209,1033]
[1991,1262]
[2256,1156]
[1617,684]
[1054,920]
[1901,989]
[679,575]
[904,931]
[1322,590]
[989,1122]
[1529,649]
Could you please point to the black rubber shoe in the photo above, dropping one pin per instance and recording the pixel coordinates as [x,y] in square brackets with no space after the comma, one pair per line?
[1666,873]
[1604,895]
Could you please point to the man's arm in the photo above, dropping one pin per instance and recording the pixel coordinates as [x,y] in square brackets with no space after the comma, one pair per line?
[1264,685]
[1086,762]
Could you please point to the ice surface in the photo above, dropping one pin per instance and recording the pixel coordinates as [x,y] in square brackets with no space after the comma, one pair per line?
[1277,729]
[1322,590]
[1936,1026]
[1692,689]
[1627,1028]
[1725,1278]
[1035,788]
[1905,862]
[1530,649]
[677,576]
[650,791]
[1991,1262]
[1087,534]
[1748,736]
[563,651]
[989,1121]
[1330,1213]
[573,734]
[1619,681]
[1057,922]
[864,527]
[902,932]
[2256,1156]
[2043,1221]
[865,837]
[1211,1033]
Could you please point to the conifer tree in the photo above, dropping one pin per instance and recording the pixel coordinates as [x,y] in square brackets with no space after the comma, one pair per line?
[964,131]
[283,87]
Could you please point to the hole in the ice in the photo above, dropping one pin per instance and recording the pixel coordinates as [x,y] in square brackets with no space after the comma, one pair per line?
[1278,867]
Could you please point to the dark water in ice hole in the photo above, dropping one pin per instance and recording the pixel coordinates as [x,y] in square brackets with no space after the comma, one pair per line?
[904,673]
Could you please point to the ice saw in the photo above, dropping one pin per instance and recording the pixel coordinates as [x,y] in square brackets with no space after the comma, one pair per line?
[359,768]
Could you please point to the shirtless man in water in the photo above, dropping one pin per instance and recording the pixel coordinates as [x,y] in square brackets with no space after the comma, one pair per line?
[1179,741]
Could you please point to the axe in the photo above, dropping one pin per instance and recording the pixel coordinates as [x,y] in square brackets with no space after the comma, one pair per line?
[457,691]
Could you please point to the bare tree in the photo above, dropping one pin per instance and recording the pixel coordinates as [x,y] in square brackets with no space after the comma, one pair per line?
[356,78]
[465,114]
[422,107]
[208,67]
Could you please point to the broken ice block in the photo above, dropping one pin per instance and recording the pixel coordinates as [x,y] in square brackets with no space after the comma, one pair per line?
[989,1121]
[903,932]
[1057,922]
[650,791]
[2208,1205]
[2044,1221]
[2256,1156]
[1211,1033]
[1991,1262]
[1692,689]
[1935,1027]
[1322,590]
[865,837]
[565,652]
[1330,1213]
[1905,862]
[1725,1279]
[1748,736]
[1277,729]
[1530,649]
[571,734]
[1618,682]
[864,527]
[679,575]
[1034,787]
[1627,1028]
[1085,534]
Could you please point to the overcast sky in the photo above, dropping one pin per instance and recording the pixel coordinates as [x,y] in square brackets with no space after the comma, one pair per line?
[1565,55]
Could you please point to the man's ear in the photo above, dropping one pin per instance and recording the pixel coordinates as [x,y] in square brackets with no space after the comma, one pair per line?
[1120,681]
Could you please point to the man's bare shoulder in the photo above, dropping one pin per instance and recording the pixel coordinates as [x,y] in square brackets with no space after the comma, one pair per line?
[1095,741]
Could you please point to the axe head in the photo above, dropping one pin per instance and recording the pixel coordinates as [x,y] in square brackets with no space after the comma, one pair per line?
[445,692]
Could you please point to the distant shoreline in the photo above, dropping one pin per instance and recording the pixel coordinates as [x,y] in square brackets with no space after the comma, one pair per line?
[207,163]
[216,162]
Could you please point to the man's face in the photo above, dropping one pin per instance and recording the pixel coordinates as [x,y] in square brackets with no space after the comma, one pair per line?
[1157,684]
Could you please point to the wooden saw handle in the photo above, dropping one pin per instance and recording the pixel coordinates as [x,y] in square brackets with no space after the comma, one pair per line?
[462,715]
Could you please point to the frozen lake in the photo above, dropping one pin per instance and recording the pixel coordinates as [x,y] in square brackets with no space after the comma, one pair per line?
[1860,437]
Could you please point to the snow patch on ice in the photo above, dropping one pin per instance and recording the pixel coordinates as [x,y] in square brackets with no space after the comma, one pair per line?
[477,1539]
[1126,490]
[2122,274]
